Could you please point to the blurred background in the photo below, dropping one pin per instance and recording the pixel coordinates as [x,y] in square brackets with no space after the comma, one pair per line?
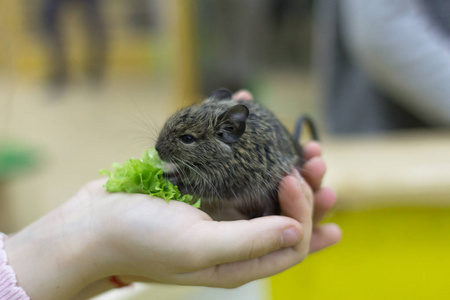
[85,83]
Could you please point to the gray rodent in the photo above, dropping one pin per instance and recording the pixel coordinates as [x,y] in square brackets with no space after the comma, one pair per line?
[231,153]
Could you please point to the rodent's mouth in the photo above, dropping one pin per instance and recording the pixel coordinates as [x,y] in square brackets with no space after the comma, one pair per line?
[173,174]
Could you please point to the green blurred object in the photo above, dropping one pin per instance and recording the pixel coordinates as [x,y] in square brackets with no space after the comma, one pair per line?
[16,158]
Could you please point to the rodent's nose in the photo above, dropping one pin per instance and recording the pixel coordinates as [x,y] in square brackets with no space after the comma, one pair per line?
[160,149]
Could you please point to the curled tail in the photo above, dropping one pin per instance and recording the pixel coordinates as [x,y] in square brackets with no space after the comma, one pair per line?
[304,119]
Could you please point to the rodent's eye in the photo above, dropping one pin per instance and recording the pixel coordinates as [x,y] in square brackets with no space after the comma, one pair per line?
[187,138]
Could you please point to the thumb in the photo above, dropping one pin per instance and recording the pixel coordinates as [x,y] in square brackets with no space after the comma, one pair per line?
[224,242]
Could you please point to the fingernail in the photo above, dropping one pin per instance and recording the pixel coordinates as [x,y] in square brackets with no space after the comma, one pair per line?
[290,237]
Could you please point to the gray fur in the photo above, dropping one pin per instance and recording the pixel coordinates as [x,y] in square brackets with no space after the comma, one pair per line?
[243,175]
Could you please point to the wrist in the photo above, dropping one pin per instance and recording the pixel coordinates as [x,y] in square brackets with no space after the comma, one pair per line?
[56,256]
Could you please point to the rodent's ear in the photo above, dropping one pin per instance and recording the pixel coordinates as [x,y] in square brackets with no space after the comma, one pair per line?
[221,94]
[232,123]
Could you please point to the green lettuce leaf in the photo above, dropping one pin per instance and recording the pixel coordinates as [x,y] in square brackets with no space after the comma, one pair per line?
[145,176]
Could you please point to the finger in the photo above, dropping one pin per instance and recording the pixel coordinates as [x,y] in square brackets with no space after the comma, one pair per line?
[324,236]
[296,199]
[128,279]
[313,171]
[241,267]
[235,274]
[223,242]
[261,258]
[312,149]
[324,199]
[243,95]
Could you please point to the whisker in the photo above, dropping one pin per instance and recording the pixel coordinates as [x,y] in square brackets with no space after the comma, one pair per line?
[205,180]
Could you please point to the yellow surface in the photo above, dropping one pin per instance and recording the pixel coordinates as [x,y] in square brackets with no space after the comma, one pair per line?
[394,210]
[397,253]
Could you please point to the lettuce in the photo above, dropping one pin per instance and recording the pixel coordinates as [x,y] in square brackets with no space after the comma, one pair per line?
[145,176]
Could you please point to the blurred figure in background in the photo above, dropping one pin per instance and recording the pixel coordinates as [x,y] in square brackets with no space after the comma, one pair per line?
[96,40]
[243,39]
[384,65]
[233,42]
[290,34]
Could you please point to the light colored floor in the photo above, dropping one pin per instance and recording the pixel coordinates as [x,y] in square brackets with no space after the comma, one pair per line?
[83,129]
[77,133]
